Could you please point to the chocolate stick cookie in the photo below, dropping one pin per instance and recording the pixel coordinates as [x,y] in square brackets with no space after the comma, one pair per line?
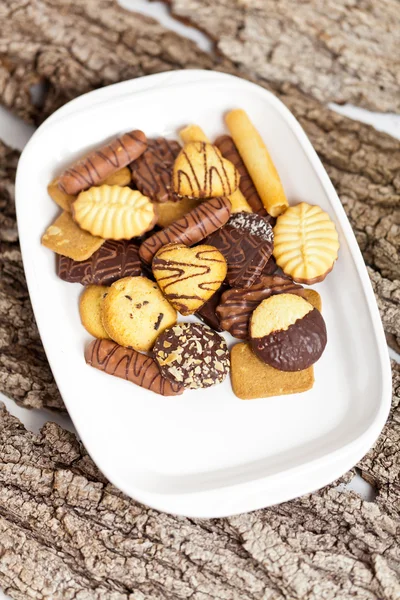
[128,364]
[189,229]
[100,164]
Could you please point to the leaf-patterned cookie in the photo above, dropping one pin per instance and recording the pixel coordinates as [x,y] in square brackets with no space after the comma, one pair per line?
[188,277]
[200,171]
[113,212]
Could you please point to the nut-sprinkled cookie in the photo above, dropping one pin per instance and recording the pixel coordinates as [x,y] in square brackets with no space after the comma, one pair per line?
[252,378]
[306,243]
[193,355]
[128,364]
[135,312]
[246,241]
[90,305]
[200,171]
[114,260]
[65,237]
[189,229]
[237,305]
[113,212]
[152,171]
[188,277]
[287,332]
[101,163]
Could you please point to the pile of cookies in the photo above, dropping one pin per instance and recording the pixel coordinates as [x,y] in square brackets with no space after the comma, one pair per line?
[153,228]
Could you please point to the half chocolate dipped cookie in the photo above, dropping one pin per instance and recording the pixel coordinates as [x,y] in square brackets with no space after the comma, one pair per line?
[287,332]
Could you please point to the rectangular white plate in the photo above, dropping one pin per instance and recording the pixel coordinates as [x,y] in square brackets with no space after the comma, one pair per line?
[207,453]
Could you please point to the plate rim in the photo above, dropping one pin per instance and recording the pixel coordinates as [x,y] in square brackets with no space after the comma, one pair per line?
[349,453]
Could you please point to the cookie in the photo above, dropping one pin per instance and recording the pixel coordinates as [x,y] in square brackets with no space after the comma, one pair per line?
[246,242]
[287,332]
[237,305]
[306,243]
[112,261]
[228,150]
[90,305]
[100,164]
[188,277]
[208,312]
[189,229]
[135,312]
[65,237]
[114,212]
[258,162]
[172,210]
[313,297]
[200,171]
[122,178]
[152,171]
[193,355]
[61,198]
[252,378]
[128,364]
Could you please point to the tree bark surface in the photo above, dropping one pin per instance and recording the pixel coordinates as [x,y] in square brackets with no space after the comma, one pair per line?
[65,532]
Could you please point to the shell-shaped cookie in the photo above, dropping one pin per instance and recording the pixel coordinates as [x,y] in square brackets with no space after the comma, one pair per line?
[306,243]
[200,171]
[113,212]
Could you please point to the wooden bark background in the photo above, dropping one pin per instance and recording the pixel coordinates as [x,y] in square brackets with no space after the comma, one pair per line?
[64,531]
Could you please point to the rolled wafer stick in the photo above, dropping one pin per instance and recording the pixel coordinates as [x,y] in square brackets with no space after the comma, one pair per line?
[131,365]
[100,164]
[258,161]
[194,133]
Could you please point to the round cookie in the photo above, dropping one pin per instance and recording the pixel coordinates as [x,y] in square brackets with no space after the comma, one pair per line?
[193,355]
[287,332]
[135,312]
[90,305]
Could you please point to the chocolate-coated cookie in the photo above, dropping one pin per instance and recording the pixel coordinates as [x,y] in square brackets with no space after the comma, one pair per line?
[287,332]
[152,171]
[114,259]
[192,354]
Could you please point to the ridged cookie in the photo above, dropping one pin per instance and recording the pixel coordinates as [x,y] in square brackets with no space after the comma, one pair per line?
[189,229]
[135,312]
[90,308]
[188,277]
[306,243]
[200,171]
[128,364]
[287,332]
[114,212]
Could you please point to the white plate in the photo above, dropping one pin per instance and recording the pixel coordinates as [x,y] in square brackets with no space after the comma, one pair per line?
[207,453]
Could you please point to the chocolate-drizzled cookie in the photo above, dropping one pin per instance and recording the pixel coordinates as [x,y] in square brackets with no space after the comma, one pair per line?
[152,171]
[246,254]
[228,150]
[100,164]
[114,260]
[208,312]
[189,229]
[193,355]
[287,332]
[128,364]
[237,305]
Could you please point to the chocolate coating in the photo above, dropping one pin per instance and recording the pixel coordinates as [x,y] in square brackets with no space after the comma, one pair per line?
[128,364]
[100,164]
[228,150]
[245,254]
[189,229]
[193,355]
[237,305]
[152,171]
[113,260]
[295,348]
[207,312]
